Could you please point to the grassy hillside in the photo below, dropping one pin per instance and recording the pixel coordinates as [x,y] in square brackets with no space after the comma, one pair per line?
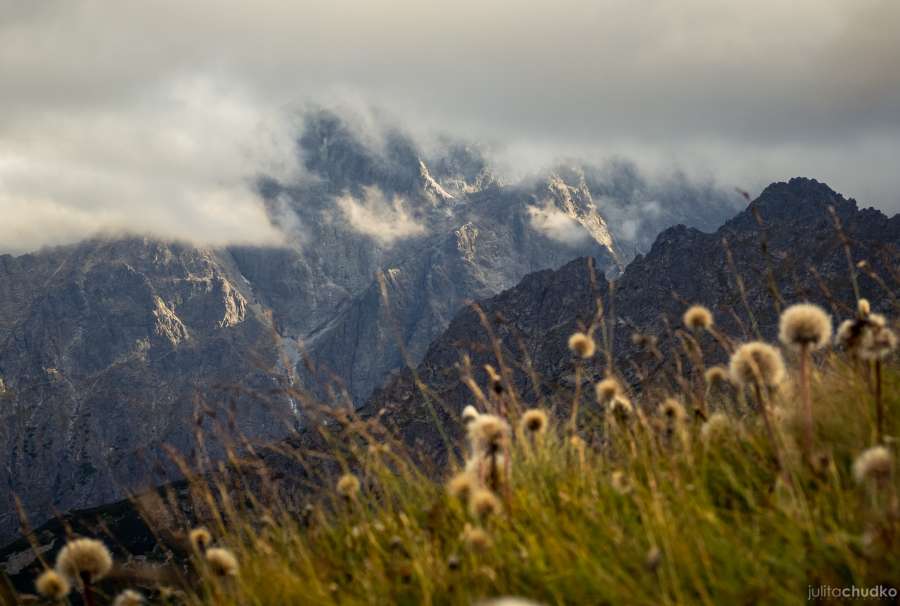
[756,483]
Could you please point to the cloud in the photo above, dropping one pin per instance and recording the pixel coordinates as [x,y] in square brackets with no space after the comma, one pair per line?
[178,165]
[383,220]
[109,108]
[557,225]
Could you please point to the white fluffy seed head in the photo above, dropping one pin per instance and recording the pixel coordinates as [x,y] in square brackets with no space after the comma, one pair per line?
[52,585]
[469,414]
[348,486]
[606,390]
[222,562]
[582,345]
[863,309]
[874,464]
[877,343]
[804,325]
[757,363]
[84,558]
[488,433]
[534,421]
[698,317]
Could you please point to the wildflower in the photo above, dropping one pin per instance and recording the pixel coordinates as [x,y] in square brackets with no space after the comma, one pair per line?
[621,409]
[199,539]
[52,585]
[757,363]
[804,326]
[698,317]
[469,414]
[672,410]
[716,375]
[863,308]
[534,421]
[644,341]
[85,559]
[348,486]
[582,345]
[878,343]
[607,389]
[476,538]
[128,597]
[483,504]
[461,485]
[620,482]
[875,464]
[488,433]
[222,562]
[715,427]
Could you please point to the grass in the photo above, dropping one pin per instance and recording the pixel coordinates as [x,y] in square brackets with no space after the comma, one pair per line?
[632,507]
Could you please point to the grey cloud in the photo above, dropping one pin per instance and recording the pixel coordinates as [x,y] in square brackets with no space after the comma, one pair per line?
[747,92]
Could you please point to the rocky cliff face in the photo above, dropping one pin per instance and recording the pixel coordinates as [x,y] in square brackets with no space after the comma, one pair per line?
[110,349]
[797,241]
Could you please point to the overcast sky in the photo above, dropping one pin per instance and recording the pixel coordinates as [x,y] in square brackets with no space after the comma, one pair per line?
[152,115]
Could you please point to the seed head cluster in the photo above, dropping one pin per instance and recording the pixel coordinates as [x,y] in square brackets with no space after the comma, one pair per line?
[582,345]
[84,559]
[534,421]
[874,464]
[757,363]
[698,317]
[222,562]
[52,585]
[804,326]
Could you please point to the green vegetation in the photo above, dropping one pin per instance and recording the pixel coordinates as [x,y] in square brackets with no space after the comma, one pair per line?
[747,487]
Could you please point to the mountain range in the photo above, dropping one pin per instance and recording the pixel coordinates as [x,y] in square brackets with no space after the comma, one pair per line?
[788,233]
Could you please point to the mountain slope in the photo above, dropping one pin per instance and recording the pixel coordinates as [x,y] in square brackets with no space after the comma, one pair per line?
[683,266]
[109,350]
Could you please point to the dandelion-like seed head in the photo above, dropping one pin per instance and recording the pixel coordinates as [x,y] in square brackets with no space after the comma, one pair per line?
[222,562]
[716,375]
[84,558]
[488,433]
[620,482]
[484,504]
[621,409]
[877,343]
[200,539]
[849,334]
[469,414]
[461,485]
[874,464]
[534,421]
[698,317]
[582,345]
[672,410]
[757,362]
[863,309]
[606,390]
[717,425]
[804,325]
[348,486]
[476,538]
[129,597]
[52,585]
